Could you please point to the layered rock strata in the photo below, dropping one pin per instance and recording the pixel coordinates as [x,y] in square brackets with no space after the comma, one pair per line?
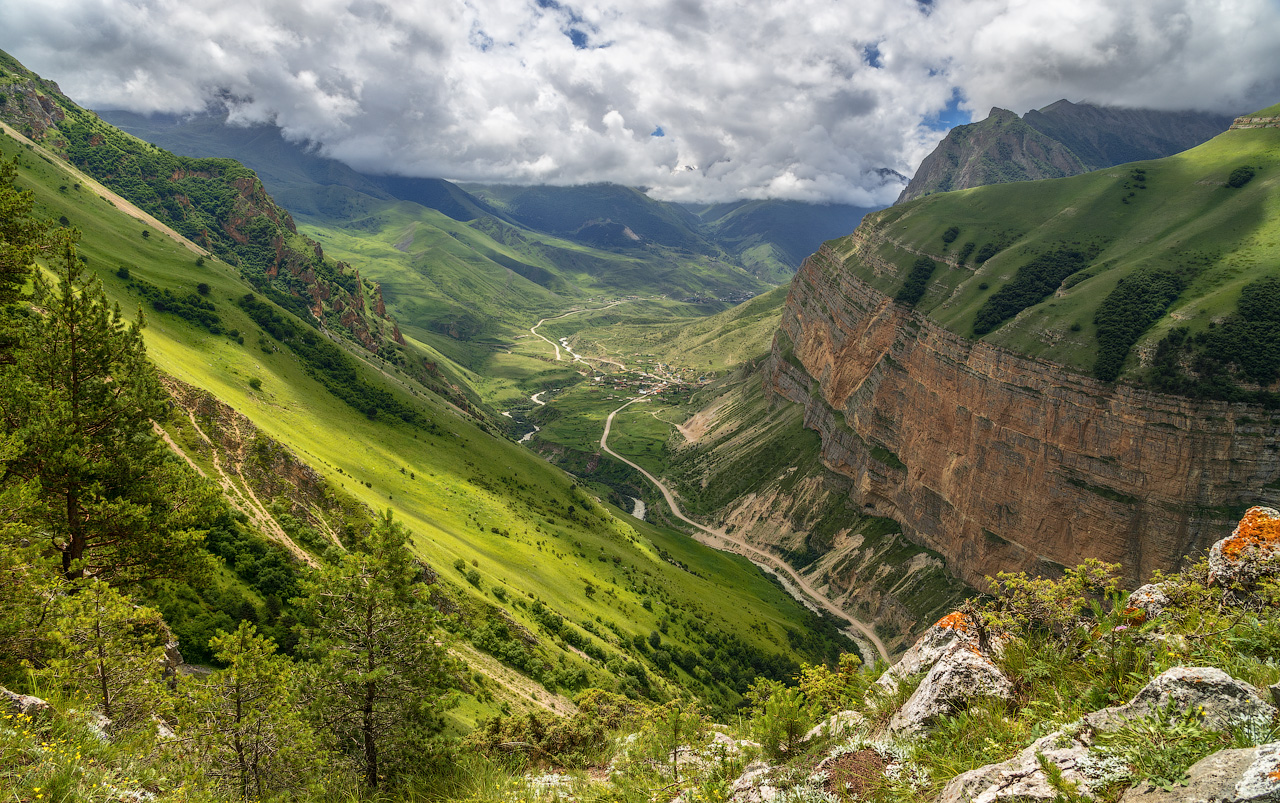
[1003,462]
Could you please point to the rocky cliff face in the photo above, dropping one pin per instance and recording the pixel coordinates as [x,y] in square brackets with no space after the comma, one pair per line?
[1002,462]
[999,149]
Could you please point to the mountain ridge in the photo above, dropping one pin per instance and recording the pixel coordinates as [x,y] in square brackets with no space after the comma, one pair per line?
[1058,140]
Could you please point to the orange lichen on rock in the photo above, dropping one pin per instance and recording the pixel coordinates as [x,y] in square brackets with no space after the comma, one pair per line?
[1259,530]
[957,620]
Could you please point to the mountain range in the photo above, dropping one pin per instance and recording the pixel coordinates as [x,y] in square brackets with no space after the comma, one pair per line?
[1062,139]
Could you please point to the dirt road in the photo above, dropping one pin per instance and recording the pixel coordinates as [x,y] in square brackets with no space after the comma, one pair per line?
[718,538]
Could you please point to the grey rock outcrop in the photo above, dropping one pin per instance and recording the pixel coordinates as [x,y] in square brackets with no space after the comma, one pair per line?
[1020,778]
[26,704]
[1251,552]
[752,786]
[1223,700]
[1250,775]
[1150,599]
[951,630]
[962,674]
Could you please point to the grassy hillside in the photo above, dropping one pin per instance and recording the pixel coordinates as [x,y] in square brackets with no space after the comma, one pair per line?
[527,530]
[1103,265]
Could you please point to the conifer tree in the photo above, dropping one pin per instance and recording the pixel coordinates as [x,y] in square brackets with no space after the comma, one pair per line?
[22,234]
[248,730]
[382,673]
[112,651]
[80,395]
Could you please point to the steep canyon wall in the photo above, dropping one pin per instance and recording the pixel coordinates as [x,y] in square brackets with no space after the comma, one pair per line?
[1003,462]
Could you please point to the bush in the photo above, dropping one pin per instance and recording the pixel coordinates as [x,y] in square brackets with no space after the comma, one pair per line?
[1240,177]
[949,236]
[987,251]
[1138,301]
[965,251]
[917,281]
[1033,283]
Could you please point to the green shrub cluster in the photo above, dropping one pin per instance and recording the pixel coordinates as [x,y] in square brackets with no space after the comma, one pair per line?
[917,281]
[331,366]
[190,307]
[1240,177]
[1213,364]
[949,236]
[1033,283]
[1137,302]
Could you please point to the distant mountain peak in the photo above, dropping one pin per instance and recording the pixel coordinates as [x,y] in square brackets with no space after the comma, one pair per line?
[1061,139]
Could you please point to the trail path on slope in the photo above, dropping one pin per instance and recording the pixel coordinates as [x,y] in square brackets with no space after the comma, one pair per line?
[718,538]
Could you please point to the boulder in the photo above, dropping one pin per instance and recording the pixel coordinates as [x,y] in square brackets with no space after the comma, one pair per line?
[753,786]
[1227,776]
[1222,700]
[23,703]
[961,674]
[837,724]
[1251,552]
[952,629]
[1020,778]
[1225,702]
[1150,600]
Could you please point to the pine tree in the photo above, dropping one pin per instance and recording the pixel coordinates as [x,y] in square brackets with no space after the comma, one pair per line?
[112,651]
[81,396]
[382,673]
[22,235]
[248,730]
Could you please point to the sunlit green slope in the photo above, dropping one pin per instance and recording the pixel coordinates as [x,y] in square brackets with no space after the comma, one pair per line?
[1103,265]
[528,531]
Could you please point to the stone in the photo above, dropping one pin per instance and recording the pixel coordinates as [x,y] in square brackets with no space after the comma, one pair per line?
[27,704]
[1187,689]
[954,628]
[837,724]
[1020,778]
[1150,599]
[962,674]
[1249,775]
[752,786]
[1274,688]
[1251,552]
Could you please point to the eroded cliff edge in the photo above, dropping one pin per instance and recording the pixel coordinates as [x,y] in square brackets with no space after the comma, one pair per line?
[1004,462]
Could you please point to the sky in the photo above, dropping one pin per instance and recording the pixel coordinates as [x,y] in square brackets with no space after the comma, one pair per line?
[695,100]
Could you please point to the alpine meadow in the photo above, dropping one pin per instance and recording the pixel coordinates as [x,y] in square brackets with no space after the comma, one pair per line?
[696,403]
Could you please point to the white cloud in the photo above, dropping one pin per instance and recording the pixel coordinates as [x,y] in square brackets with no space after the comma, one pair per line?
[761,99]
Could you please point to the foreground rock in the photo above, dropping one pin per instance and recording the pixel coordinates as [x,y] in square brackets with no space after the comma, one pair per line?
[1228,776]
[1186,691]
[962,674]
[1251,552]
[959,668]
[1223,700]
[25,704]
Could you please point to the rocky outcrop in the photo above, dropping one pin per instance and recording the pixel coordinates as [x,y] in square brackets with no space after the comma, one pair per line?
[1256,122]
[1003,462]
[1251,552]
[1227,776]
[1217,700]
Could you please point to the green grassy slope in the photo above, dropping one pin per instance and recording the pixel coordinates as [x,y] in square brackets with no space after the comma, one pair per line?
[1174,216]
[523,525]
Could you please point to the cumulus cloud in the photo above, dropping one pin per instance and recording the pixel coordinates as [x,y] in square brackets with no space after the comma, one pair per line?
[806,100]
